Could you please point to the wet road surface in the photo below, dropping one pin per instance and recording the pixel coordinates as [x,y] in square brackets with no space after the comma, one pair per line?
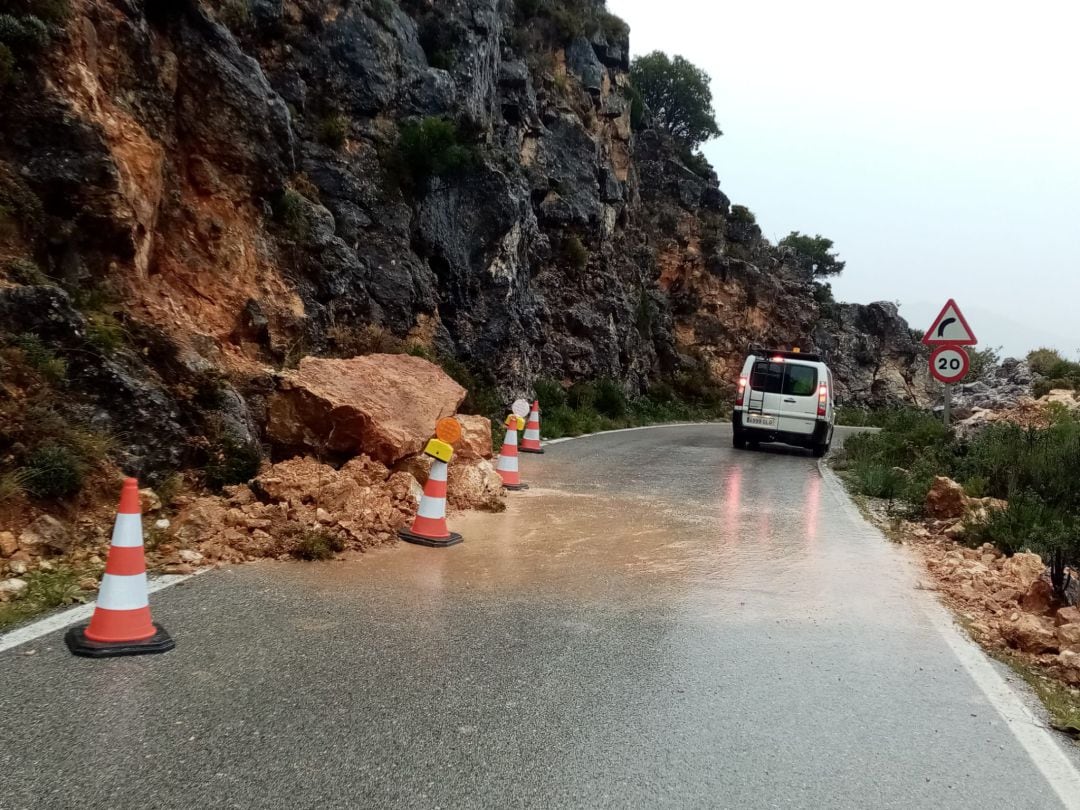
[661,621]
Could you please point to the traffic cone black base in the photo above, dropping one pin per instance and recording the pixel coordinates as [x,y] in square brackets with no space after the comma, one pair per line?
[533,452]
[515,487]
[418,540]
[79,644]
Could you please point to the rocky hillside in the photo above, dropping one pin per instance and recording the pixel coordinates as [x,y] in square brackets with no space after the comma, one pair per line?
[196,194]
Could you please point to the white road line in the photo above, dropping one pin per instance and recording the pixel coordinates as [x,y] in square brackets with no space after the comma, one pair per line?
[1040,743]
[58,621]
[631,430]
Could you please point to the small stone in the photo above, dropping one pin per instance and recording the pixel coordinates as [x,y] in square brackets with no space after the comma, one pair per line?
[46,531]
[1068,615]
[149,500]
[179,568]
[323,516]
[95,560]
[189,556]
[8,544]
[163,524]
[45,565]
[18,567]
[10,588]
[88,584]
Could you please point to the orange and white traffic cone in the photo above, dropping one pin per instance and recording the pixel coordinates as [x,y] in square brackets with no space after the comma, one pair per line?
[508,456]
[429,528]
[530,442]
[121,624]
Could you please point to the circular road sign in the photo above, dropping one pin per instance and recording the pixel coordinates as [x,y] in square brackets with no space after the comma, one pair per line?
[949,364]
[521,408]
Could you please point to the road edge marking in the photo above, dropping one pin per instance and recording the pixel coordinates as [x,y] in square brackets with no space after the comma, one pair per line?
[58,621]
[1039,742]
[631,430]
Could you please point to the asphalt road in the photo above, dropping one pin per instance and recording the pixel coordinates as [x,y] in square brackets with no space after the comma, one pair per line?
[660,621]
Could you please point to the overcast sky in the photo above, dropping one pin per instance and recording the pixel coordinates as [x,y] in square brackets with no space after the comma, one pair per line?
[937,143]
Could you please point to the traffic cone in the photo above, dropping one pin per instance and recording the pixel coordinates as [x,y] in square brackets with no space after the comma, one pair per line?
[530,442]
[508,456]
[429,528]
[121,623]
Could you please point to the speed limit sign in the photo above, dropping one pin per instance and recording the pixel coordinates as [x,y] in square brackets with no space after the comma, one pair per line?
[949,364]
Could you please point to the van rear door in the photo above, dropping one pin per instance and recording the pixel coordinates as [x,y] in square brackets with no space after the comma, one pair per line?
[763,396]
[799,398]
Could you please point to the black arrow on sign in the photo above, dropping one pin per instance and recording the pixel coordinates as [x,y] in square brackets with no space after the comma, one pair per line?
[944,324]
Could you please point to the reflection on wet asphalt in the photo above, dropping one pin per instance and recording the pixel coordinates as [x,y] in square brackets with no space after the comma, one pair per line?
[659,621]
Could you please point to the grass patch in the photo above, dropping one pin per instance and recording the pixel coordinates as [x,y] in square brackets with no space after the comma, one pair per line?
[318,544]
[46,590]
[1062,702]
[333,130]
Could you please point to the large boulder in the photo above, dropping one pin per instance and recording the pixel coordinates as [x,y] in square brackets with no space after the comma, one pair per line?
[1025,568]
[382,405]
[475,440]
[1033,634]
[475,485]
[946,499]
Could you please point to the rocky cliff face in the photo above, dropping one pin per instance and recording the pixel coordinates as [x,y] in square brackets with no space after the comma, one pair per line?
[196,194]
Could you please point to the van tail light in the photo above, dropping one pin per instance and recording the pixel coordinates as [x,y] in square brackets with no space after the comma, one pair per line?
[742,391]
[822,399]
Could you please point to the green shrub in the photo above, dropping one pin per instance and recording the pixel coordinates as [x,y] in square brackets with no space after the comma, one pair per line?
[612,26]
[333,130]
[696,162]
[1042,361]
[983,360]
[742,215]
[318,544]
[1021,525]
[354,341]
[550,394]
[610,399]
[232,462]
[581,396]
[53,471]
[1041,388]
[433,147]
[1061,384]
[12,485]
[678,95]
[877,480]
[291,213]
[41,358]
[104,332]
[27,33]
[24,271]
[575,255]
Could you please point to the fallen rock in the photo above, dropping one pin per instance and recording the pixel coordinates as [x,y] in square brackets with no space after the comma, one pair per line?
[946,499]
[1068,615]
[1033,634]
[381,405]
[18,567]
[1025,568]
[8,544]
[189,556]
[46,532]
[475,440]
[1039,598]
[149,501]
[11,588]
[475,485]
[1069,635]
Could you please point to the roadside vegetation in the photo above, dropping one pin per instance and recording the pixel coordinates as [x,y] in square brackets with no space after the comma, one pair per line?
[1033,469]
[1054,372]
[48,589]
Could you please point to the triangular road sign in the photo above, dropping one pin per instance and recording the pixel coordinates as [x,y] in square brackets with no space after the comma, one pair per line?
[950,328]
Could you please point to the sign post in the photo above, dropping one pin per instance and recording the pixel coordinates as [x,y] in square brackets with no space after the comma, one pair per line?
[949,362]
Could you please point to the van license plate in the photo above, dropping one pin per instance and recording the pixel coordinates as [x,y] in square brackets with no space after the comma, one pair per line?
[760,419]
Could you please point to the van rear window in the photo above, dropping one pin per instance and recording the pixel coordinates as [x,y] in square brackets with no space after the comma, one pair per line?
[767,377]
[800,381]
[790,379]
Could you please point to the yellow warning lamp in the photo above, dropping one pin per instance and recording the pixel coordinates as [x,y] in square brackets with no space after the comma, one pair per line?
[520,423]
[515,422]
[796,350]
[447,431]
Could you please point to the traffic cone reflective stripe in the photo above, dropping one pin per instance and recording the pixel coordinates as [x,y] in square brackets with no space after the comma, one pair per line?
[121,624]
[429,527]
[530,442]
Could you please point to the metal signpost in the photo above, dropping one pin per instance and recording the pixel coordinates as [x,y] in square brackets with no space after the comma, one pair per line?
[949,362]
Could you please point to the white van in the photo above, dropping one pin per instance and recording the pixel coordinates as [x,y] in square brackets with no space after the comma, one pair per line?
[784,397]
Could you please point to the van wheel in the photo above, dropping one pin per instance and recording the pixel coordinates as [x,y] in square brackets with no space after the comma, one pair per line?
[738,441]
[819,450]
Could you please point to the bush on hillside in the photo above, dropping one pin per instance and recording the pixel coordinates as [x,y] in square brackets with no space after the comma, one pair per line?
[816,251]
[432,147]
[678,95]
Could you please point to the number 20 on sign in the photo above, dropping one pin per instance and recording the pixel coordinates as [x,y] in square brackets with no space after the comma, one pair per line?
[949,364]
